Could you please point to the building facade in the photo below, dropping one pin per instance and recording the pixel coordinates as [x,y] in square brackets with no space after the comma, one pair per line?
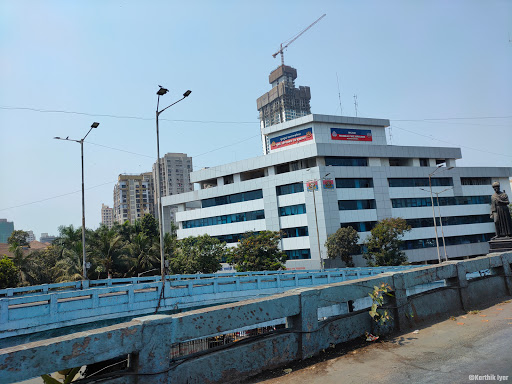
[175,171]
[366,180]
[6,228]
[30,236]
[131,198]
[46,238]
[107,216]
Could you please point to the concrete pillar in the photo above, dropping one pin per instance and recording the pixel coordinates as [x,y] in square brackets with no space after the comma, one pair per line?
[461,282]
[306,323]
[236,178]
[403,309]
[220,181]
[506,258]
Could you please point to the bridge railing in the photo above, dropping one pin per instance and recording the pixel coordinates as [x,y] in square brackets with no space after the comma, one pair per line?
[32,309]
[150,339]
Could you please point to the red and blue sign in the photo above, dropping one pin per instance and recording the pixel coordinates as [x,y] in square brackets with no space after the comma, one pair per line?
[291,138]
[351,134]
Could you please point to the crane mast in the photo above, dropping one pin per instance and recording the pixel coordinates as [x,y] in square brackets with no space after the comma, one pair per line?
[288,42]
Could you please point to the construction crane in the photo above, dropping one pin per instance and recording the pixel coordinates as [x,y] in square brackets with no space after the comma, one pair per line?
[291,40]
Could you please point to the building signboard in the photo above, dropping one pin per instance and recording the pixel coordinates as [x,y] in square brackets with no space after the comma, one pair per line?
[291,138]
[351,134]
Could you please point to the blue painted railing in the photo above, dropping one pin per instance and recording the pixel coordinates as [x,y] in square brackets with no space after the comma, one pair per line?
[33,309]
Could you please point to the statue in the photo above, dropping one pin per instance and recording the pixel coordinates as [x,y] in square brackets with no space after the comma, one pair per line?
[500,212]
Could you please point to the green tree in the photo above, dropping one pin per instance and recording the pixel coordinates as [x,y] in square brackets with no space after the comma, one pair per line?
[18,238]
[343,245]
[9,273]
[142,255]
[69,264]
[44,262]
[258,252]
[105,248]
[197,254]
[383,244]
[150,227]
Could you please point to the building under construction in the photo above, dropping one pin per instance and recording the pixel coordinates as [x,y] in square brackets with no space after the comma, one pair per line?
[284,102]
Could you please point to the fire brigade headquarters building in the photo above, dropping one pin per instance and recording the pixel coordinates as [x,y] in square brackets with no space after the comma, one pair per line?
[357,178]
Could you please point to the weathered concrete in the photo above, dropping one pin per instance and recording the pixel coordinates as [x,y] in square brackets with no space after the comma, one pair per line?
[149,339]
[447,352]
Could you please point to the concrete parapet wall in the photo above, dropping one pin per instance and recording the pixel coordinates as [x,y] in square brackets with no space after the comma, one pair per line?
[149,339]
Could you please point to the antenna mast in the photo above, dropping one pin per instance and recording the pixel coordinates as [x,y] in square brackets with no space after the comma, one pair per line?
[288,42]
[355,103]
[339,94]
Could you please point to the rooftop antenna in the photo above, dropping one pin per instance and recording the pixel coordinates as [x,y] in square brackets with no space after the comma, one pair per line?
[285,44]
[355,103]
[391,135]
[339,94]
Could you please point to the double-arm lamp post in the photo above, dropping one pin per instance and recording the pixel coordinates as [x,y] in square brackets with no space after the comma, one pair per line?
[434,212]
[162,91]
[81,141]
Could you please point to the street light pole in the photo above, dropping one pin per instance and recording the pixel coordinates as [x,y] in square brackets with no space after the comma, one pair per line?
[162,91]
[316,223]
[81,141]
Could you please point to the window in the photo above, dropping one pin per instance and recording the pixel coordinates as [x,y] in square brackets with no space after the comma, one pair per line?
[426,201]
[354,183]
[420,182]
[449,220]
[363,226]
[424,162]
[454,240]
[338,161]
[475,180]
[295,232]
[230,199]
[289,189]
[349,205]
[298,254]
[292,210]
[224,219]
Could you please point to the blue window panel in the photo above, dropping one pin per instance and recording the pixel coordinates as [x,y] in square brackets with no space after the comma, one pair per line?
[292,210]
[298,254]
[224,219]
[443,201]
[289,189]
[352,205]
[230,199]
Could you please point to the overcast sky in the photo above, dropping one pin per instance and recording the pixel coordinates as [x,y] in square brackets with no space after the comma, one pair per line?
[408,61]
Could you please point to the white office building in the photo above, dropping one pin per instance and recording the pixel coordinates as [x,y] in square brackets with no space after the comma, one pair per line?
[372,181]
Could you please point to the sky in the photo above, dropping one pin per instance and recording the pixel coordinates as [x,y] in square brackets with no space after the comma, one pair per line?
[441,71]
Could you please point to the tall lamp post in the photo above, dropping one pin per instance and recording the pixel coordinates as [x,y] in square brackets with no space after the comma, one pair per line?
[316,219]
[433,209]
[440,217]
[81,141]
[162,91]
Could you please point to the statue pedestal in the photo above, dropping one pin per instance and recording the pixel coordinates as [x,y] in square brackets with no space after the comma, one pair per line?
[501,244]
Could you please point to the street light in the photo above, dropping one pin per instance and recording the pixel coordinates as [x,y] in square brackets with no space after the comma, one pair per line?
[433,210]
[316,222]
[81,141]
[440,217]
[161,92]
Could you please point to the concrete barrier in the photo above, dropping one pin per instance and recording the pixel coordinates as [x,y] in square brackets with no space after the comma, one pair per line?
[149,340]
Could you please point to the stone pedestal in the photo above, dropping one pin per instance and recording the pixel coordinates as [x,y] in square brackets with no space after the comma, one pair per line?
[500,244]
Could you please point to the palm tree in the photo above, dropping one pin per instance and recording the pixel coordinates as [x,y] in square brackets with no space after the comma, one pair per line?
[106,250]
[143,254]
[69,265]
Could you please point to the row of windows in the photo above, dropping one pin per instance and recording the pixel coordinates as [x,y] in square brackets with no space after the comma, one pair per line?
[230,199]
[225,219]
[475,180]
[365,226]
[291,210]
[232,238]
[354,183]
[454,240]
[289,189]
[338,161]
[298,254]
[351,205]
[420,182]
[452,200]
[449,220]
[362,226]
[295,232]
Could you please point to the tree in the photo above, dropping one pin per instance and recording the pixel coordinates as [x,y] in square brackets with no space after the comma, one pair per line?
[383,244]
[18,238]
[343,244]
[106,249]
[150,227]
[9,273]
[258,252]
[143,255]
[197,254]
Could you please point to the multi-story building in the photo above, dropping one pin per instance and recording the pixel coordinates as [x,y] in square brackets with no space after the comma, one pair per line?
[107,216]
[30,236]
[131,198]
[175,171]
[366,180]
[6,228]
[45,238]
[283,102]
